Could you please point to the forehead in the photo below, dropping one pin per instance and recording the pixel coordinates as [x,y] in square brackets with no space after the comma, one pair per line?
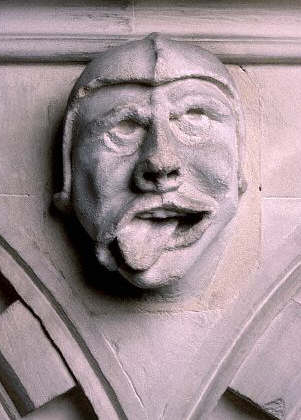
[146,97]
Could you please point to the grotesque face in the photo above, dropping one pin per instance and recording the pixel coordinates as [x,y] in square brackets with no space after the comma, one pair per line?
[154,175]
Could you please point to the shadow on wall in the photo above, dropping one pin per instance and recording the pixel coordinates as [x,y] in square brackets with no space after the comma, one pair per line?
[232,407]
[8,295]
[71,406]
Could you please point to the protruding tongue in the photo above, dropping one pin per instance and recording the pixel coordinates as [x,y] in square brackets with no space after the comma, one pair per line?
[142,241]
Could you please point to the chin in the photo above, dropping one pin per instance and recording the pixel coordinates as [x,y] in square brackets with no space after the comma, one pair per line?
[163,273]
[173,265]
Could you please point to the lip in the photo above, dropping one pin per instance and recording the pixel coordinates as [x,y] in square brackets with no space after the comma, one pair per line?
[161,213]
[190,222]
[153,224]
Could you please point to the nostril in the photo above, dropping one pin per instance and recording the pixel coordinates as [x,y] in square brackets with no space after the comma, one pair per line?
[150,176]
[153,176]
[173,174]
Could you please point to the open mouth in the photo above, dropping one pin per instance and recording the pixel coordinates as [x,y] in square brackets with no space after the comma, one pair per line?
[153,226]
[188,224]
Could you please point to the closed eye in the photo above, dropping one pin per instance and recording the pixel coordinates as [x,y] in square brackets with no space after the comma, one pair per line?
[126,127]
[194,115]
[124,137]
[192,126]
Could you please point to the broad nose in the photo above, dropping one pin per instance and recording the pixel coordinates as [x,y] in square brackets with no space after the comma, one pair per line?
[159,168]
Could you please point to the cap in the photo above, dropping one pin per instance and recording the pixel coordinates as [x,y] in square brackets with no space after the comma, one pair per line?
[153,61]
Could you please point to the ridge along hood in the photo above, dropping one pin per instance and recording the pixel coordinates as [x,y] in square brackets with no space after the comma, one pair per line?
[153,61]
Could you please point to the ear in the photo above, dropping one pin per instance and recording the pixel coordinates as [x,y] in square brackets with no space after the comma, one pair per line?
[62,202]
[241,136]
[242,182]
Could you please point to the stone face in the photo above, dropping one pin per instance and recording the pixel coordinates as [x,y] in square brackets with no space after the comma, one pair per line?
[150,351]
[152,145]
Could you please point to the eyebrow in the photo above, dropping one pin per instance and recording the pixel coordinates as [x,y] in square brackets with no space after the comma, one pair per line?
[204,101]
[121,112]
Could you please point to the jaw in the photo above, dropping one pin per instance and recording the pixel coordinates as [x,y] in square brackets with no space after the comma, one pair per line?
[171,265]
[155,226]
[149,234]
[171,268]
[153,250]
[184,271]
[190,231]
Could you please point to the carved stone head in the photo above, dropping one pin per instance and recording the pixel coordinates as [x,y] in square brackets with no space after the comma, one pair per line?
[152,149]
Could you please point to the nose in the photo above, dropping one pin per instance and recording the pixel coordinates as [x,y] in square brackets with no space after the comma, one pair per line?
[159,169]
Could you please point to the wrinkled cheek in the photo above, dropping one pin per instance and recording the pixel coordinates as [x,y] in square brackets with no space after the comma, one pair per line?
[86,189]
[101,187]
[216,170]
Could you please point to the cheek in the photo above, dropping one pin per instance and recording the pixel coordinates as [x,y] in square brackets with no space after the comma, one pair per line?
[100,185]
[214,164]
[85,174]
[102,171]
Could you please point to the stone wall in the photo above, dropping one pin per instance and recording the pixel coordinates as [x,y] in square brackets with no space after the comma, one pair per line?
[44,47]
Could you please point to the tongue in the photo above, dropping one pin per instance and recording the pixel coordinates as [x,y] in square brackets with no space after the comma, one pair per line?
[141,242]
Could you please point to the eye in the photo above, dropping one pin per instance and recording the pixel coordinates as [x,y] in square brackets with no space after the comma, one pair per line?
[125,137]
[194,116]
[191,127]
[126,127]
